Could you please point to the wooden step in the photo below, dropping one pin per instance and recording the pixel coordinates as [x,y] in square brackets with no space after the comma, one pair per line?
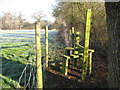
[55,61]
[59,65]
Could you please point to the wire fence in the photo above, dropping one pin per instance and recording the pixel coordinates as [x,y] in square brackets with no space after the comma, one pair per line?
[23,74]
[18,55]
[24,58]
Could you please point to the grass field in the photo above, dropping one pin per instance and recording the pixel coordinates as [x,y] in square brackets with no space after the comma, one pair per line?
[17,50]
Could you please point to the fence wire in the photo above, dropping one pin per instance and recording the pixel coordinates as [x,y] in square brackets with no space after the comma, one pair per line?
[22,62]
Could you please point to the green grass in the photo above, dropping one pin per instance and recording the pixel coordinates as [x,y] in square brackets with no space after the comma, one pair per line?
[8,82]
[16,54]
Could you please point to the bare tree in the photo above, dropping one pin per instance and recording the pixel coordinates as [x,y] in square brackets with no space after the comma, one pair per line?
[20,20]
[38,15]
[0,22]
[7,20]
[12,21]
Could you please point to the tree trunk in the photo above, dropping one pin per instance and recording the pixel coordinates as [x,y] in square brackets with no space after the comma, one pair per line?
[113,26]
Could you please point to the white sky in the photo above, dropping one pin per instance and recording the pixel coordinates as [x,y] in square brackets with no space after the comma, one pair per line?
[28,7]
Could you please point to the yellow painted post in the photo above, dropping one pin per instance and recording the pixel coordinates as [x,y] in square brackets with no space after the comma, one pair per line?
[69,35]
[86,44]
[77,38]
[46,50]
[70,32]
[66,62]
[38,56]
[90,63]
[73,37]
[66,66]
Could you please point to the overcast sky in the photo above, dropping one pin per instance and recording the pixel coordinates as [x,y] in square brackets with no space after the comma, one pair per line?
[28,7]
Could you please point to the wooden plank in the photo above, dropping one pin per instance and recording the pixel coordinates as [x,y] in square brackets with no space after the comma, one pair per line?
[74,56]
[69,48]
[56,61]
[58,65]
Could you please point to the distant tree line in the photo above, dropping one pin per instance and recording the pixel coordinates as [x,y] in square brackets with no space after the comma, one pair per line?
[11,21]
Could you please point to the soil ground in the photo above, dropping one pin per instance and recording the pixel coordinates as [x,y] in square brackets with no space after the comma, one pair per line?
[98,79]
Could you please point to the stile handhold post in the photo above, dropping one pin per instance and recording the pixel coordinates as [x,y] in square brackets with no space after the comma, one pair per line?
[46,41]
[77,40]
[73,37]
[86,44]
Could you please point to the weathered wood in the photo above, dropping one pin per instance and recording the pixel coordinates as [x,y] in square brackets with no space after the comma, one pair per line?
[46,45]
[38,56]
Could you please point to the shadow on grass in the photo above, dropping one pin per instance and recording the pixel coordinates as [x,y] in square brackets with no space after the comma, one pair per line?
[14,46]
[10,84]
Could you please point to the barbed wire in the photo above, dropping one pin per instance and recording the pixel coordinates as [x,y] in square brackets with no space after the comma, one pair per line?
[18,86]
[28,83]
[29,78]
[33,81]
[25,79]
[24,72]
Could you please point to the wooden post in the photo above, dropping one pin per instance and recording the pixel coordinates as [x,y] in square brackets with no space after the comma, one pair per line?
[66,62]
[86,43]
[90,63]
[38,56]
[69,35]
[66,66]
[77,38]
[73,37]
[46,49]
